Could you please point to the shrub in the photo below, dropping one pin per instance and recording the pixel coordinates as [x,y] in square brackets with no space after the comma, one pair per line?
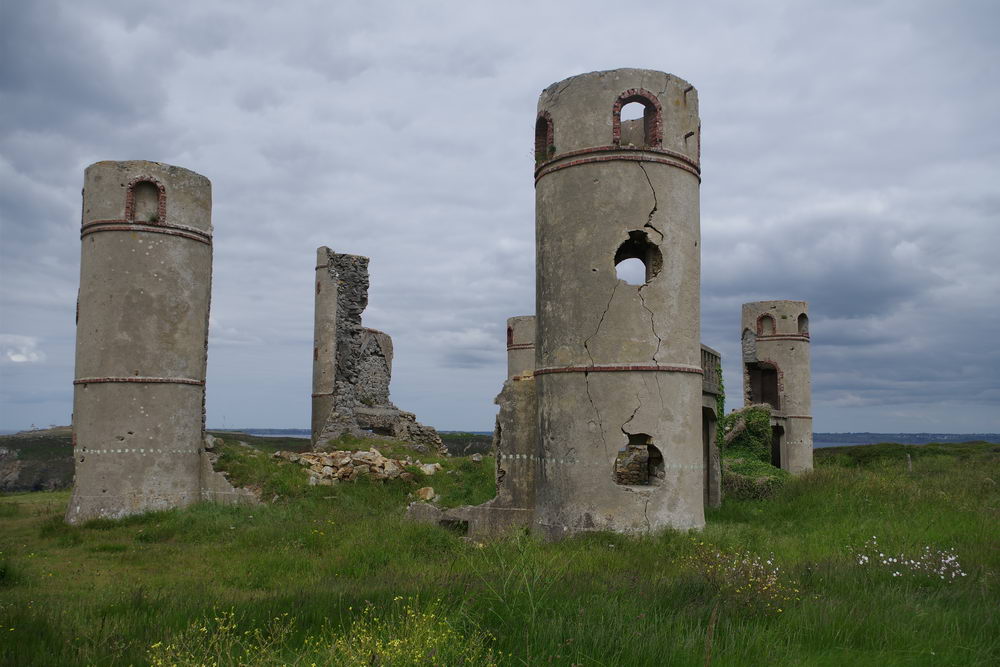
[402,635]
[751,479]
[743,579]
[747,432]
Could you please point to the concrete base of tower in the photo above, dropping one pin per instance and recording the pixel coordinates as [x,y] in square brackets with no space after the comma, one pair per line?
[131,455]
[799,444]
[619,451]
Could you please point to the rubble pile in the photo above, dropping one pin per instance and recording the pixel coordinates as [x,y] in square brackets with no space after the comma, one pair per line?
[329,468]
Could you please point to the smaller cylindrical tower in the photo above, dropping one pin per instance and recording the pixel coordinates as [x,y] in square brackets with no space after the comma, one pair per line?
[520,345]
[776,371]
[142,335]
[324,341]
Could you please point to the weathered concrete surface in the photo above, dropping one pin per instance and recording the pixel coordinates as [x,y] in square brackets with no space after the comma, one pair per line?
[617,361]
[520,345]
[352,364]
[516,466]
[324,341]
[142,331]
[515,445]
[776,369]
[711,387]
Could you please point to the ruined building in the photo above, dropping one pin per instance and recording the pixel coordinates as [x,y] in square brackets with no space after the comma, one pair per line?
[776,371]
[352,364]
[623,394]
[142,332]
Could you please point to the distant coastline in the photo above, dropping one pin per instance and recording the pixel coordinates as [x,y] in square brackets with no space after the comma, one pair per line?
[819,439]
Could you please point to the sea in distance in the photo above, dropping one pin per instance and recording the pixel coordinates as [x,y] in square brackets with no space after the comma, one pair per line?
[819,439]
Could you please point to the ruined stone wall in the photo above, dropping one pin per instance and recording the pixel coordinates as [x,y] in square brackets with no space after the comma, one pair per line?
[142,333]
[514,445]
[354,362]
[776,365]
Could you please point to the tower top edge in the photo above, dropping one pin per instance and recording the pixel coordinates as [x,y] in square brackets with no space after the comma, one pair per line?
[149,168]
[763,305]
[627,74]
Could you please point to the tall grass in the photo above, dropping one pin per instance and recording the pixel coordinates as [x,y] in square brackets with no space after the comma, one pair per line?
[107,592]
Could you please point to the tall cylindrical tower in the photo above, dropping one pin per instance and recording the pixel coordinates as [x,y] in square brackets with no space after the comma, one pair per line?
[324,341]
[520,345]
[142,334]
[618,365]
[776,371]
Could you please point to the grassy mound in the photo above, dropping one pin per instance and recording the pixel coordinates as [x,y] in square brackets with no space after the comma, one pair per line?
[334,575]
[747,478]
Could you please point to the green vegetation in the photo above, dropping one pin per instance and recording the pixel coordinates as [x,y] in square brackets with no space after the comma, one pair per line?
[334,575]
[745,442]
[46,445]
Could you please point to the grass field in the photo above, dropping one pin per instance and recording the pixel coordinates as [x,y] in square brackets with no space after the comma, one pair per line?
[334,575]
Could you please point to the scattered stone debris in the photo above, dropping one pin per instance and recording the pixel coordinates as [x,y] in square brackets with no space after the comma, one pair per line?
[426,493]
[329,468]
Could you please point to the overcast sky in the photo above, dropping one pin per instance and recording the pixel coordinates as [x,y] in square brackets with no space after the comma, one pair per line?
[851,158]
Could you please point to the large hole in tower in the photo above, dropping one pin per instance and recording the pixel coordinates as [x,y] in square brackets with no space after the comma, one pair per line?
[803,323]
[146,197]
[763,379]
[637,260]
[640,463]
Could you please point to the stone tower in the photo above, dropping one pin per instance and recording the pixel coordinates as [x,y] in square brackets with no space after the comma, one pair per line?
[618,365]
[776,371]
[142,332]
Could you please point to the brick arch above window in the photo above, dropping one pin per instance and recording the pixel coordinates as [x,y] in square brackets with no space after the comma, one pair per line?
[766,326]
[130,199]
[652,117]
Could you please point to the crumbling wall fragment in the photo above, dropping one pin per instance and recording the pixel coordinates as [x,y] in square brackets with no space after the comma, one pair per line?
[353,363]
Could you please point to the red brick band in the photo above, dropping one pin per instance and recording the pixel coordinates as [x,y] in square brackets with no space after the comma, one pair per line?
[325,393]
[798,416]
[619,369]
[520,346]
[666,152]
[546,170]
[803,337]
[140,380]
[153,228]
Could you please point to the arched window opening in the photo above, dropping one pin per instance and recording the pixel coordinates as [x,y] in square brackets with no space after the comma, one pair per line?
[763,378]
[633,125]
[640,463]
[544,144]
[803,324]
[145,202]
[636,119]
[765,325]
[638,260]
[510,336]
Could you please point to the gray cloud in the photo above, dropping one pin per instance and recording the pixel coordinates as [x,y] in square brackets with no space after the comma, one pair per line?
[850,159]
